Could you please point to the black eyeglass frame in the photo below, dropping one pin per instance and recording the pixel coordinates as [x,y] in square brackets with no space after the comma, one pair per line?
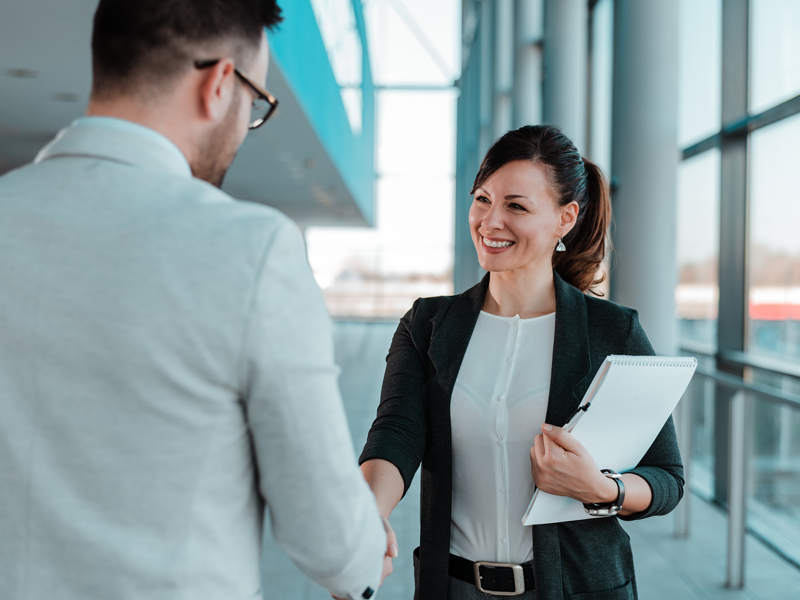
[260,92]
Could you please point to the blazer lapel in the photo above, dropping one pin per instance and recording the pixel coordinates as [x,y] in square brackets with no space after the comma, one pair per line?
[451,336]
[572,363]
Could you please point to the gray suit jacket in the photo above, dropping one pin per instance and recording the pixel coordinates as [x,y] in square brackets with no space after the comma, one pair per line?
[166,368]
[579,560]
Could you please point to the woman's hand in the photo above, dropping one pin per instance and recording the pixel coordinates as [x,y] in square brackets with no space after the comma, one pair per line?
[391,552]
[561,466]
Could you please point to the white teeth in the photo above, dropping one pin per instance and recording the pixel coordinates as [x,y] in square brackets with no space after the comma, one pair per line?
[492,244]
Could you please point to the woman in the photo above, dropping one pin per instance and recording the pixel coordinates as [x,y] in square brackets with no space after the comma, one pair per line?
[472,378]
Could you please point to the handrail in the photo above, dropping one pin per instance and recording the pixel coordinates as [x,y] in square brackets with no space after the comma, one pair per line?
[773,365]
[737,456]
[766,392]
[744,359]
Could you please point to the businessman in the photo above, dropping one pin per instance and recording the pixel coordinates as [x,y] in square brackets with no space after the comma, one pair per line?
[166,360]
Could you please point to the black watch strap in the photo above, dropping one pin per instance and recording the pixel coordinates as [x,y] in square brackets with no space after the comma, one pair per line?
[612,508]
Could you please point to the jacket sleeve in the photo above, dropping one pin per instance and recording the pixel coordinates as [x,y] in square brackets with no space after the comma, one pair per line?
[661,466]
[324,515]
[399,431]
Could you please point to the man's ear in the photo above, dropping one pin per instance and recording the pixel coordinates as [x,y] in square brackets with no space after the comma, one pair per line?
[216,90]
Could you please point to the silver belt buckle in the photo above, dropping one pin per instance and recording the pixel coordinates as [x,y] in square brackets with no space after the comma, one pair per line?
[519,578]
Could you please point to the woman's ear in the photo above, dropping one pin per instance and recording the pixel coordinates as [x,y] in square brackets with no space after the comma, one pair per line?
[569,216]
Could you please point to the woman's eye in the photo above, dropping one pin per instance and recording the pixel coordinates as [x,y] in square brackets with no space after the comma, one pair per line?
[516,206]
[481,199]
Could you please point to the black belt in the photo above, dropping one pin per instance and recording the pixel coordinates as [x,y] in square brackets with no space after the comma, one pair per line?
[500,579]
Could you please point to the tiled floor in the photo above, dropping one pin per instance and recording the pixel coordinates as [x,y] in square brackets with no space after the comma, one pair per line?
[666,567]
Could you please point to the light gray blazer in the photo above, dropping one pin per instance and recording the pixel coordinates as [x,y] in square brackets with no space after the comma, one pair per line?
[166,368]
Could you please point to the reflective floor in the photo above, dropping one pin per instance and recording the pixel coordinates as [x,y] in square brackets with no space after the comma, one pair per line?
[666,568]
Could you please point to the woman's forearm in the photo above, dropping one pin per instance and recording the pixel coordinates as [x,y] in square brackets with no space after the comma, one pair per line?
[386,482]
[638,495]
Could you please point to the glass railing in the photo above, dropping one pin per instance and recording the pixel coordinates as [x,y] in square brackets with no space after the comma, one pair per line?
[747,460]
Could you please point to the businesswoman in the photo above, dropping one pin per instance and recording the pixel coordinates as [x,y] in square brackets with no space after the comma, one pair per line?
[478,384]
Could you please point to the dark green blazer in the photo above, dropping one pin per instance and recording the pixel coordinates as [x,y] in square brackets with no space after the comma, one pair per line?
[577,560]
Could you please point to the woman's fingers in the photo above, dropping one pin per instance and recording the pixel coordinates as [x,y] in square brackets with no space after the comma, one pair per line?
[391,539]
[562,438]
[560,465]
[391,550]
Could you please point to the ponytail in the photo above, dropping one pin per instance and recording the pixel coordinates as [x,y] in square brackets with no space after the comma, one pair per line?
[586,244]
[572,179]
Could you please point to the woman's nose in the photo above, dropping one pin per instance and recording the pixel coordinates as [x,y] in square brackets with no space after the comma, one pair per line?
[493,219]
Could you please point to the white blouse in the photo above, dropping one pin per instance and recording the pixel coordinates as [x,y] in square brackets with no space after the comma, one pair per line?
[498,405]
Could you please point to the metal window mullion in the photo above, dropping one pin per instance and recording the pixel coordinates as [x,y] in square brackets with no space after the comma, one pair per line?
[737,505]
[732,223]
[745,125]
[729,469]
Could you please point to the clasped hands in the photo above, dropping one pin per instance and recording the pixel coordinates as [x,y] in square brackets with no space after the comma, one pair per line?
[391,552]
[561,466]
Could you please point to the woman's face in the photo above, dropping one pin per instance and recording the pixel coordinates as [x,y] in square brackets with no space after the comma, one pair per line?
[514,219]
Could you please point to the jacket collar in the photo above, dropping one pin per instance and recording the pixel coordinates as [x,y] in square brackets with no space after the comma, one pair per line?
[126,145]
[571,356]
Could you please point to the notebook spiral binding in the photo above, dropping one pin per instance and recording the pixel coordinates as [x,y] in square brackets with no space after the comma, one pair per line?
[653,361]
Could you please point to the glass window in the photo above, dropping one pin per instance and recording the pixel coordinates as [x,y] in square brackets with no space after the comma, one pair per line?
[697,292]
[378,273]
[774,504]
[413,43]
[337,24]
[774,52]
[700,70]
[774,253]
[702,393]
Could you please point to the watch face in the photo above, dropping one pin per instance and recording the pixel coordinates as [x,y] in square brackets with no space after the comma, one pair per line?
[602,511]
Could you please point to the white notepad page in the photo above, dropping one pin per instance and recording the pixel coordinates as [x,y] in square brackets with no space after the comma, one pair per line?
[631,399]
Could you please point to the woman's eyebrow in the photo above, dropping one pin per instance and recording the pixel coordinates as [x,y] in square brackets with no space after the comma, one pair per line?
[513,196]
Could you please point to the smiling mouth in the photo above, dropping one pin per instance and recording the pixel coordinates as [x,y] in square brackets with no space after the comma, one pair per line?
[497,244]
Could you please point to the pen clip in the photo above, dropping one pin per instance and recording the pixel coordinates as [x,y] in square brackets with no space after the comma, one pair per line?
[573,419]
[582,407]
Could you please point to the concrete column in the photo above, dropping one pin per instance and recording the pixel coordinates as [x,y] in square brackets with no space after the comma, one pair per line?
[503,66]
[486,86]
[644,161]
[565,67]
[528,32]
[474,131]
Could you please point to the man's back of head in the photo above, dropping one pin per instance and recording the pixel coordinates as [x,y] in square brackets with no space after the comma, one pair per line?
[145,61]
[141,48]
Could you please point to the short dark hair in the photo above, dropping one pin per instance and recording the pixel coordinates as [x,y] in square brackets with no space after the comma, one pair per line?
[142,45]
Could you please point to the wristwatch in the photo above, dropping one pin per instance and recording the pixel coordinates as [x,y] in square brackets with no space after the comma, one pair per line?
[611,508]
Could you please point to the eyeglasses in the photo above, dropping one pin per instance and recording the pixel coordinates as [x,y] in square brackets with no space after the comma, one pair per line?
[265,103]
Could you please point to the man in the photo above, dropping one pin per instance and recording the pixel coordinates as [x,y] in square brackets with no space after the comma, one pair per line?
[166,361]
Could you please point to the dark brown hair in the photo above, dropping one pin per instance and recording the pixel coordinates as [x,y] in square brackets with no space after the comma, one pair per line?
[572,178]
[140,46]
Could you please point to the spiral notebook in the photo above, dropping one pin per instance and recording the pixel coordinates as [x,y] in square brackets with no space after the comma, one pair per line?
[621,414]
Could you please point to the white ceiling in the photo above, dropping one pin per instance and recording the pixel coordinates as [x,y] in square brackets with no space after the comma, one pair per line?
[45,77]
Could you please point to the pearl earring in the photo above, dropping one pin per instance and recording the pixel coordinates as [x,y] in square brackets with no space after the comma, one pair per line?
[561,247]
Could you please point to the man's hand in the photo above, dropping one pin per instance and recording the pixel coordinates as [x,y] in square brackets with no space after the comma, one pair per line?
[391,552]
[561,466]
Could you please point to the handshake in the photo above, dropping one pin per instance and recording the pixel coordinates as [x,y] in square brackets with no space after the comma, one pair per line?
[391,552]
